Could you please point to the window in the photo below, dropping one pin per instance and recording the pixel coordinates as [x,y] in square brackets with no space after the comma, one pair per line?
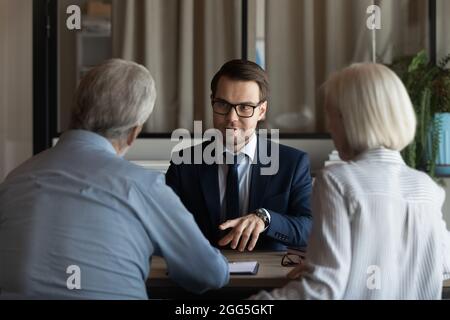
[183,43]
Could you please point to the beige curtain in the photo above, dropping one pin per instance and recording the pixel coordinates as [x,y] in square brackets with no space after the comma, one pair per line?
[306,40]
[16,93]
[443,28]
[183,43]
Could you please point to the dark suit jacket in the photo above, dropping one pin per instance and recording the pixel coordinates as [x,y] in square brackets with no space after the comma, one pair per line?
[286,195]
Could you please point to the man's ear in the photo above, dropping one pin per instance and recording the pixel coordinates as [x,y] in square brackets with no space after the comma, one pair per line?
[262,112]
[132,136]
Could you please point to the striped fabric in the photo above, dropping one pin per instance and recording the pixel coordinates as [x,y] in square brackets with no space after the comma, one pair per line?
[378,233]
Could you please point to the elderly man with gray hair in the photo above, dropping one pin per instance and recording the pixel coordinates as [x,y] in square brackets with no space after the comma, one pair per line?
[79,221]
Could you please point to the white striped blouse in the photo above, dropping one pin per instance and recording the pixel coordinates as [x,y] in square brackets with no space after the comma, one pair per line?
[378,233]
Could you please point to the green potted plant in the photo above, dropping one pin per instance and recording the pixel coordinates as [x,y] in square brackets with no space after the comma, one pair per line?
[428,85]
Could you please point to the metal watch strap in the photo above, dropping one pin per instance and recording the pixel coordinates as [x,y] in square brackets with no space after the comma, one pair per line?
[261,213]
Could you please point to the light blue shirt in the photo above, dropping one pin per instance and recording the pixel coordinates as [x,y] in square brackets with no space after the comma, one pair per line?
[79,204]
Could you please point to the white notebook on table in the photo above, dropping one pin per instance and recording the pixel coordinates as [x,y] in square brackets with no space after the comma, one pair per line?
[244,267]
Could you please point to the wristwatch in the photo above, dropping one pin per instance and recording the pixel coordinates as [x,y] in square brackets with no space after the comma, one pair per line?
[264,216]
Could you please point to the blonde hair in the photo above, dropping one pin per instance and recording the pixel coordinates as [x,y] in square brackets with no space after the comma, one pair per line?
[375,107]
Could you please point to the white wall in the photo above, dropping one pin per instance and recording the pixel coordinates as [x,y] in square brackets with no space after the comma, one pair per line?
[16,93]
[161,149]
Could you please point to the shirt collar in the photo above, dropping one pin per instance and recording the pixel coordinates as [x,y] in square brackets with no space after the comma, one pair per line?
[249,149]
[381,155]
[87,137]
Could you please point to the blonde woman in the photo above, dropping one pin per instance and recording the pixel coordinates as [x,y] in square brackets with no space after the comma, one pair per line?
[377,230]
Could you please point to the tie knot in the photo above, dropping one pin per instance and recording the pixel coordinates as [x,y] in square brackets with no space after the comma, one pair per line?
[233,159]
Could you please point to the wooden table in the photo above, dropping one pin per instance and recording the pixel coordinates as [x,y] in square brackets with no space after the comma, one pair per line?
[270,275]
[446,290]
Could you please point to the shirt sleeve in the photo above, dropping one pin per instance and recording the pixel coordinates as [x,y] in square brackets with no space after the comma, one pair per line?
[329,250]
[444,234]
[446,250]
[192,262]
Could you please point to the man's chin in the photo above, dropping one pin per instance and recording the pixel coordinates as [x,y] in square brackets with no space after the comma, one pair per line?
[237,137]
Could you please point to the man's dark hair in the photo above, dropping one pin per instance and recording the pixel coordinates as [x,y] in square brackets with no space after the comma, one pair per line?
[243,70]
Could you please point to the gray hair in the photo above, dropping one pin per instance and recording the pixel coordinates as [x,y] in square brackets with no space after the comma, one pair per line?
[375,107]
[113,98]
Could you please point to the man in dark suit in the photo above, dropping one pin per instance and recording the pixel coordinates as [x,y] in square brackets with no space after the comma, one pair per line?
[235,203]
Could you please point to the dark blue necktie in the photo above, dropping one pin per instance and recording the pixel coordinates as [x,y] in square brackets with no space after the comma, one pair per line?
[232,191]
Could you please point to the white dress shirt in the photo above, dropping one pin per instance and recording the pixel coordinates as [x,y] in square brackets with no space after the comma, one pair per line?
[245,159]
[378,233]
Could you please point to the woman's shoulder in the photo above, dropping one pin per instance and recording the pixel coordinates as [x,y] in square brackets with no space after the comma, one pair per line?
[356,177]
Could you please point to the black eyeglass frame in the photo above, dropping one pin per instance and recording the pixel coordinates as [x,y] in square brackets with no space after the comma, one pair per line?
[234,106]
[288,261]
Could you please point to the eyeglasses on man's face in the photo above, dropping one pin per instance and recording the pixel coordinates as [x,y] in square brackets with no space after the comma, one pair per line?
[243,110]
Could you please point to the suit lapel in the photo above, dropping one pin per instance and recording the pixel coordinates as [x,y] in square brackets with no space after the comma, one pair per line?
[210,186]
[258,184]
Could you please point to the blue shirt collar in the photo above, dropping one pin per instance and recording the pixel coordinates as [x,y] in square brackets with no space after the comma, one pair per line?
[87,137]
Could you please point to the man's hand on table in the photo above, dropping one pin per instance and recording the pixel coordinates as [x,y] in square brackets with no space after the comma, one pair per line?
[244,229]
